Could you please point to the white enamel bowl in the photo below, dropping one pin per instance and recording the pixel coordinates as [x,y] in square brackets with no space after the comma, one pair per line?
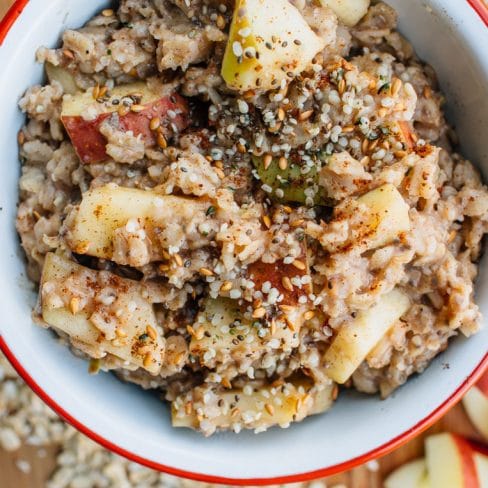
[453,37]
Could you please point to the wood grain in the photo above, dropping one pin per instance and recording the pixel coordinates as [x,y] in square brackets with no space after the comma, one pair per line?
[4,5]
[362,477]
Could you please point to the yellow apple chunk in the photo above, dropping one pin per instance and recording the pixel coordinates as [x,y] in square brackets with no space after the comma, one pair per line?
[102,311]
[105,209]
[375,219]
[388,216]
[349,12]
[260,408]
[269,41]
[357,338]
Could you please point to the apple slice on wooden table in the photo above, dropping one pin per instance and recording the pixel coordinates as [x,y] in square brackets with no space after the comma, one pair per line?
[410,475]
[454,462]
[476,405]
[481,463]
[135,105]
[269,41]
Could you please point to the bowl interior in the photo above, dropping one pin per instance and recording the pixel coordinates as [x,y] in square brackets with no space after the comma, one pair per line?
[138,422]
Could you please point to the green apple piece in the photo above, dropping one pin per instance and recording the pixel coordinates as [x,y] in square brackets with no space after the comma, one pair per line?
[269,41]
[291,182]
[349,12]
[62,76]
[70,303]
[357,338]
[264,407]
[107,208]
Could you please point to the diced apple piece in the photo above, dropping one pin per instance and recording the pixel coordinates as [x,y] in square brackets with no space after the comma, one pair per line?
[356,339]
[224,333]
[294,185]
[349,12]
[476,405]
[383,218]
[107,208]
[269,41]
[283,277]
[293,304]
[101,310]
[82,117]
[263,408]
[410,475]
[450,462]
[62,76]
[389,215]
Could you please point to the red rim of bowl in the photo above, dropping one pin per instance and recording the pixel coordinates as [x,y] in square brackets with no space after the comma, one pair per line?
[481,9]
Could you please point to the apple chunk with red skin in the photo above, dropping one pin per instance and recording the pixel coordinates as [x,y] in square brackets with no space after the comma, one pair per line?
[277,274]
[82,117]
[453,461]
[260,272]
[476,405]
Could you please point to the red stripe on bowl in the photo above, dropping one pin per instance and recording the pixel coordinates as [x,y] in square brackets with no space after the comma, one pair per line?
[481,8]
[10,17]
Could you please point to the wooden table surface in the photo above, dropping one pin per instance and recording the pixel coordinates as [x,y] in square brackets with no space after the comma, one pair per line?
[369,476]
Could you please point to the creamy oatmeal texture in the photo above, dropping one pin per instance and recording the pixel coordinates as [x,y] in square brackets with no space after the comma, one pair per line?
[247,206]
